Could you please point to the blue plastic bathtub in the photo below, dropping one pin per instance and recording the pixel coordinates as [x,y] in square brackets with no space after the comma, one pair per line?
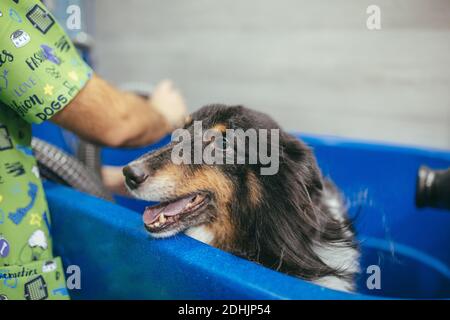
[118,260]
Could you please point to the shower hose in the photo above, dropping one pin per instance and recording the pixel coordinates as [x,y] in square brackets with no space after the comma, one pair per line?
[82,174]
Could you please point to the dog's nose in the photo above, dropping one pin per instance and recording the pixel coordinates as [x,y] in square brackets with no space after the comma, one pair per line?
[134,176]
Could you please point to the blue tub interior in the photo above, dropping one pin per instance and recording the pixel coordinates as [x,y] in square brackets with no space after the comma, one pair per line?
[119,260]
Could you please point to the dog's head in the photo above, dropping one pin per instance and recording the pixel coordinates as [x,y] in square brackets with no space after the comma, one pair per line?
[280,218]
[227,198]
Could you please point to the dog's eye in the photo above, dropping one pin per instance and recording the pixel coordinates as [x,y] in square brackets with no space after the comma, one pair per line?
[221,143]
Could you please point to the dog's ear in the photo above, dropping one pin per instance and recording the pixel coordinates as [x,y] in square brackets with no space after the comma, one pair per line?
[301,154]
[293,148]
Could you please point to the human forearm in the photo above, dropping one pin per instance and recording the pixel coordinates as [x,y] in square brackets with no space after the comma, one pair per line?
[105,115]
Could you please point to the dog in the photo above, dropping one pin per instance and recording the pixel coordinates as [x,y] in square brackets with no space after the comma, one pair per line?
[294,221]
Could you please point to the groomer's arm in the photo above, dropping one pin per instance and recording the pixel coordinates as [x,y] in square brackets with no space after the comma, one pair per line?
[108,116]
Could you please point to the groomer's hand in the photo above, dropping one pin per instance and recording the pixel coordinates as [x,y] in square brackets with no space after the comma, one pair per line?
[169,102]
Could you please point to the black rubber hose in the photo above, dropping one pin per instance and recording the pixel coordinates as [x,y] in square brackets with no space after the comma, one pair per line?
[58,166]
[433,188]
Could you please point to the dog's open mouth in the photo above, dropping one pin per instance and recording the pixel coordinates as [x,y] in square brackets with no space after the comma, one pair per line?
[159,217]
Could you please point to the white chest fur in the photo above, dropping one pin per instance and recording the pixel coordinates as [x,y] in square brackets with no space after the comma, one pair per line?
[201,234]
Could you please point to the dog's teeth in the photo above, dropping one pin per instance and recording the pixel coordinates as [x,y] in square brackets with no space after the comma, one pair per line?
[162,218]
[157,224]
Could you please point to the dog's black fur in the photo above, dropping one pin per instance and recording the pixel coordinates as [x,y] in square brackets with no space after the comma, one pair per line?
[289,218]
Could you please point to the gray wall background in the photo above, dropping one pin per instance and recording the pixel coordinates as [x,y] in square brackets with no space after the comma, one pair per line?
[312,65]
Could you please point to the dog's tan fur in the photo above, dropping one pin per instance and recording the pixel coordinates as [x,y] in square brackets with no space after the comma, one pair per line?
[220,127]
[254,188]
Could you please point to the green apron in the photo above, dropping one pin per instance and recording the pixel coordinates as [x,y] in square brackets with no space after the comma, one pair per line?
[40,73]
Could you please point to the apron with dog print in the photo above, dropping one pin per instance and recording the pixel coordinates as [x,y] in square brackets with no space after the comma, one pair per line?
[40,73]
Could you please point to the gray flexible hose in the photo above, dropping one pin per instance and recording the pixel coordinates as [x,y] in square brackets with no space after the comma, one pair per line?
[90,155]
[58,166]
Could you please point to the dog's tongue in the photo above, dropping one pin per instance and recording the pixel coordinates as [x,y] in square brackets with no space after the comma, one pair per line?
[170,209]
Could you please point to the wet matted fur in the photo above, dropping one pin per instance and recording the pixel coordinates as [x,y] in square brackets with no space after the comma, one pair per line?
[294,221]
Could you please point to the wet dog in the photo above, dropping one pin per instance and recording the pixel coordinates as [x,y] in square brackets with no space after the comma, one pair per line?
[293,221]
